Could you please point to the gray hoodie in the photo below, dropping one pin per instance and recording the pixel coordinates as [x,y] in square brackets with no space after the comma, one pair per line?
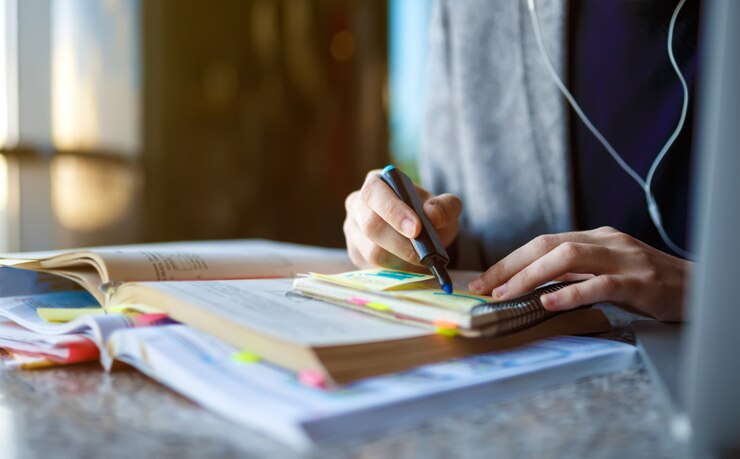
[496,125]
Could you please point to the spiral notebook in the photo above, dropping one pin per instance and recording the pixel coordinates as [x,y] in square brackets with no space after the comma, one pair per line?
[415,298]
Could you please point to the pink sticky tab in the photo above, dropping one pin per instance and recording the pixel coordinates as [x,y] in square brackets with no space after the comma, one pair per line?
[312,378]
[358,301]
[145,320]
[445,324]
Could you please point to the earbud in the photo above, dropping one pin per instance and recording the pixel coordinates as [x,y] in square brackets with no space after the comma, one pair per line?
[652,205]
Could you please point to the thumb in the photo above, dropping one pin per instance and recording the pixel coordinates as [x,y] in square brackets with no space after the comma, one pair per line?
[443,211]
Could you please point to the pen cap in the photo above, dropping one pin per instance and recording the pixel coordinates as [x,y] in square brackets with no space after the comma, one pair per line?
[427,243]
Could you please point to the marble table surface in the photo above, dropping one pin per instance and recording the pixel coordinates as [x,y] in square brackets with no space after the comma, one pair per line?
[81,411]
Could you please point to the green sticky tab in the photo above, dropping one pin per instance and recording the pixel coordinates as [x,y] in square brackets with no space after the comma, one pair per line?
[244,357]
[67,314]
[378,306]
[446,331]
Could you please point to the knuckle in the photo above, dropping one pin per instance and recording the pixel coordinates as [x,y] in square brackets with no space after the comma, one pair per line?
[372,225]
[623,239]
[576,295]
[641,258]
[652,276]
[491,274]
[569,250]
[390,211]
[370,187]
[347,230]
[372,174]
[609,286]
[523,278]
[450,203]
[349,201]
[544,243]
[606,230]
[440,209]
[376,256]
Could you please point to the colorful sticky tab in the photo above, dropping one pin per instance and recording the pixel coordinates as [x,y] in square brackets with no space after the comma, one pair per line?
[134,309]
[66,314]
[445,324]
[147,320]
[312,378]
[446,331]
[358,301]
[374,279]
[378,306]
[244,357]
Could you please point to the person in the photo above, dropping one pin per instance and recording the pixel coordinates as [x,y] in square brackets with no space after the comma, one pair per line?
[516,185]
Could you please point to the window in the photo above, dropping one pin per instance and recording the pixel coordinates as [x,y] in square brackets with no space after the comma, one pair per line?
[8,76]
[408,29]
[95,76]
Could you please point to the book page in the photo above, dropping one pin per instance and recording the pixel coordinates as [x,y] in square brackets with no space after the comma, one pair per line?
[271,399]
[218,260]
[271,307]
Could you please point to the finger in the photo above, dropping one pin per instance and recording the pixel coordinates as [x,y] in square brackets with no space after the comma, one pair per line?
[423,194]
[378,232]
[351,234]
[611,288]
[374,255]
[523,257]
[381,199]
[569,257]
[443,211]
[571,277]
[357,259]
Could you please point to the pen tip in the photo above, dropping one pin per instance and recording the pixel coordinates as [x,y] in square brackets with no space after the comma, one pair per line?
[447,288]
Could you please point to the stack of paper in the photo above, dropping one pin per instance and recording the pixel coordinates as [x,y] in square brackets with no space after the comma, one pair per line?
[417,298]
[270,399]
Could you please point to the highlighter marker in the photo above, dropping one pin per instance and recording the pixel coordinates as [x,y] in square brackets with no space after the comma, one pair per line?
[431,252]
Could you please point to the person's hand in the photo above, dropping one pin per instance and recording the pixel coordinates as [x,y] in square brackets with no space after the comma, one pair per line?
[618,269]
[378,224]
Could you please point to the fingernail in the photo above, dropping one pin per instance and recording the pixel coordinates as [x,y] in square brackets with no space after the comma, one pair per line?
[408,227]
[476,285]
[500,290]
[549,301]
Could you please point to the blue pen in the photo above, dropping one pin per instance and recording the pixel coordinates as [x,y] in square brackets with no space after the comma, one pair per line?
[431,252]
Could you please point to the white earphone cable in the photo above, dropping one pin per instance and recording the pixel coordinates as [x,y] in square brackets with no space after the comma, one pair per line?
[653,208]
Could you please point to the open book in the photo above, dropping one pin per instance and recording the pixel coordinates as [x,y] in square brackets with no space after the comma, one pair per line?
[266,318]
[208,260]
[30,326]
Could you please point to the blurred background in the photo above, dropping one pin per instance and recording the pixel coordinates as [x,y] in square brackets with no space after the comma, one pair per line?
[127,121]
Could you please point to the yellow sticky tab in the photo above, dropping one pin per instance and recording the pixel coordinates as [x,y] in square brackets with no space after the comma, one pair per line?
[446,331]
[134,309]
[375,280]
[445,324]
[378,306]
[244,357]
[459,301]
[66,314]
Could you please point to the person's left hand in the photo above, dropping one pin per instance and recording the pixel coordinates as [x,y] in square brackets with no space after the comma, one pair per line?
[618,268]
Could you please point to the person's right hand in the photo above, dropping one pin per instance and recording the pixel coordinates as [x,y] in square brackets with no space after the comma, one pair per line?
[378,224]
